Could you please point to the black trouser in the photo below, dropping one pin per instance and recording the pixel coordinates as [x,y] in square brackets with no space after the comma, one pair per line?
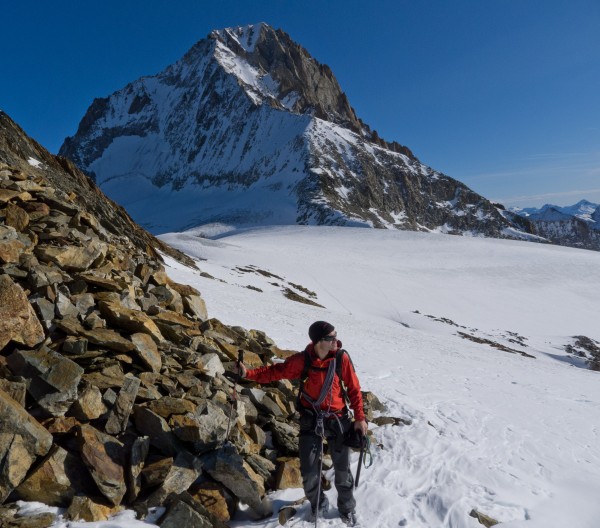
[310,450]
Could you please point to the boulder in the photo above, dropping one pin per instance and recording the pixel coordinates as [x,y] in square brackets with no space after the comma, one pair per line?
[103,456]
[10,251]
[44,310]
[99,336]
[182,514]
[36,210]
[195,306]
[15,389]
[206,427]
[155,473]
[226,465]
[263,402]
[119,414]
[61,424]
[7,195]
[167,405]
[261,466]
[16,217]
[107,378]
[183,473]
[56,480]
[288,473]
[137,458]
[484,519]
[18,321]
[257,434]
[147,351]
[73,258]
[85,509]
[12,519]
[22,440]
[156,428]
[53,377]
[168,298]
[174,318]
[131,320]
[286,436]
[215,498]
[89,404]
[211,365]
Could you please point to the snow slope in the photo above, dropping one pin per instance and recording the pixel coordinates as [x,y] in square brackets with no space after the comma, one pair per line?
[514,437]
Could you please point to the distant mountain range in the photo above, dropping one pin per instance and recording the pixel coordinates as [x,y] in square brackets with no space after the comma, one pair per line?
[248,129]
[586,211]
[576,225]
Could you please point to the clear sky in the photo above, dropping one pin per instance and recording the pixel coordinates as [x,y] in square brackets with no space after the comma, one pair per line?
[503,95]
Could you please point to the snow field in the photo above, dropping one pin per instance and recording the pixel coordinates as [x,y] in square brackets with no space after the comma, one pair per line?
[514,437]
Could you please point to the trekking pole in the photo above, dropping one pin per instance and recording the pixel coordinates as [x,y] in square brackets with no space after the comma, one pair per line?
[320,430]
[360,459]
[234,395]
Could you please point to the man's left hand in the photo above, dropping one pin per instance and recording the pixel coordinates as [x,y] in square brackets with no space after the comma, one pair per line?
[361,425]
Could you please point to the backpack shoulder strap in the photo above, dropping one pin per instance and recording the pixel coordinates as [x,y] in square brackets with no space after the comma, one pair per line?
[338,368]
[303,376]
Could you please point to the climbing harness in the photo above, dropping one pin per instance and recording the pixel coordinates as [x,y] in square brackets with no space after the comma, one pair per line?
[320,417]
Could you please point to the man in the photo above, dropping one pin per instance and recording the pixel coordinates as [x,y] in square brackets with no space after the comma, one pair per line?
[323,413]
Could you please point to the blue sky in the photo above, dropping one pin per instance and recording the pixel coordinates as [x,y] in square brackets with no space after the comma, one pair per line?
[503,95]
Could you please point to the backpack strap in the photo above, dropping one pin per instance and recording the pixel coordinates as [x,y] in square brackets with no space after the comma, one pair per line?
[338,364]
[303,377]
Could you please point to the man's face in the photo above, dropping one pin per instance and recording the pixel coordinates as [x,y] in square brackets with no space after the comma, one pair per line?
[327,344]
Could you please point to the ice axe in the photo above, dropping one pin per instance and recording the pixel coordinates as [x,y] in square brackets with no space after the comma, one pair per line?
[360,459]
[234,398]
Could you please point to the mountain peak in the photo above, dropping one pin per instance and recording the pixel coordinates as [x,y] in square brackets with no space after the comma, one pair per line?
[249,129]
[246,37]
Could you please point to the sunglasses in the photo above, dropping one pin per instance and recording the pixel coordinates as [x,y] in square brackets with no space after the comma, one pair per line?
[329,339]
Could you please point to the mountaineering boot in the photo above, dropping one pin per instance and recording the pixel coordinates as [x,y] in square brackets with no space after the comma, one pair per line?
[348,518]
[323,509]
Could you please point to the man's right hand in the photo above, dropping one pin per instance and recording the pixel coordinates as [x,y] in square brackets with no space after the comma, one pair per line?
[241,370]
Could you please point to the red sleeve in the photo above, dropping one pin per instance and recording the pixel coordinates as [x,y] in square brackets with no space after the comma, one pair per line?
[353,388]
[291,368]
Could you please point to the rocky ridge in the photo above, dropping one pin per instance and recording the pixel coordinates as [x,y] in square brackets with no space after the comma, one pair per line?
[113,390]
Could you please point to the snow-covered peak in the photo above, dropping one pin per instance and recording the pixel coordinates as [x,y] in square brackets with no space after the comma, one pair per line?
[245,36]
[249,129]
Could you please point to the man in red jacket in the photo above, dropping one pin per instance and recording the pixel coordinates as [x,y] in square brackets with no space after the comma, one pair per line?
[323,414]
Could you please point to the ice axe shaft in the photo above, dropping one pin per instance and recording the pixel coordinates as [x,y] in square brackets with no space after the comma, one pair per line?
[234,398]
[360,460]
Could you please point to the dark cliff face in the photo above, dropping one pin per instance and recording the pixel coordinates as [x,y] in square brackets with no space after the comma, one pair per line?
[572,232]
[297,72]
[16,148]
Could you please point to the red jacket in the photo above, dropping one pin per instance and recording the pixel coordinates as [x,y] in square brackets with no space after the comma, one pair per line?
[292,368]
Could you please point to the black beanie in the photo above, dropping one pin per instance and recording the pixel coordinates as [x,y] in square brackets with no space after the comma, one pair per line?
[319,330]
